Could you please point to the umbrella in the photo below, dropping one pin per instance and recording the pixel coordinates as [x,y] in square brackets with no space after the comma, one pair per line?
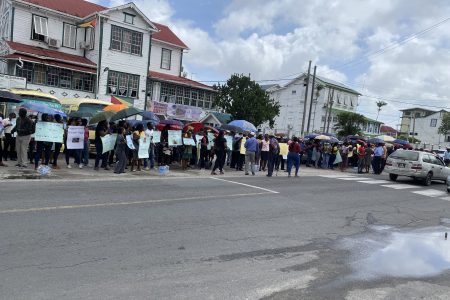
[161,127]
[386,138]
[43,109]
[81,114]
[171,122]
[334,140]
[231,128]
[311,136]
[115,107]
[196,126]
[105,115]
[6,96]
[244,125]
[375,141]
[148,115]
[322,138]
[212,129]
[125,113]
[401,142]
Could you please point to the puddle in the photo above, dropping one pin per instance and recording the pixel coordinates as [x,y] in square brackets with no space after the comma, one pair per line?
[387,252]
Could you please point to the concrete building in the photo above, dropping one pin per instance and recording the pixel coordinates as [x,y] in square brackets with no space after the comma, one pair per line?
[75,48]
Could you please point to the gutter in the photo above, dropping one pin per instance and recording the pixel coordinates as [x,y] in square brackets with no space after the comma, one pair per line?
[100,50]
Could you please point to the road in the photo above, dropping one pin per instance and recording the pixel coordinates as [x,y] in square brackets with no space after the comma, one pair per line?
[204,238]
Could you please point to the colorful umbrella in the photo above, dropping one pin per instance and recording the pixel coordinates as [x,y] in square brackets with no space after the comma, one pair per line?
[81,114]
[195,126]
[43,109]
[244,125]
[386,138]
[115,107]
[125,113]
[311,135]
[105,115]
[170,124]
[150,116]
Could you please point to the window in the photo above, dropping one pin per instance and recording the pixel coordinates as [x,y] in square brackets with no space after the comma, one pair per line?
[77,81]
[194,94]
[52,76]
[88,82]
[126,40]
[150,89]
[39,74]
[201,98]
[69,36]
[39,28]
[166,56]
[65,79]
[187,96]
[180,93]
[417,115]
[128,18]
[294,92]
[90,37]
[407,113]
[433,122]
[123,84]
[164,92]
[26,71]
[172,94]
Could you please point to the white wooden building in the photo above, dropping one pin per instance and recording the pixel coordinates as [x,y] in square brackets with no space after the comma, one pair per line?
[75,48]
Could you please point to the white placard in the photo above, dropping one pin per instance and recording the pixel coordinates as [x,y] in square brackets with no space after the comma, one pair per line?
[75,137]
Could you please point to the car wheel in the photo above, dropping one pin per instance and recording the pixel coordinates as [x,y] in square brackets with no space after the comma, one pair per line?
[393,177]
[427,180]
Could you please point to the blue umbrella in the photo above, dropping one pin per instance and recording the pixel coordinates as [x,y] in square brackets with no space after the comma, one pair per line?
[43,109]
[376,141]
[150,117]
[311,135]
[244,125]
[401,142]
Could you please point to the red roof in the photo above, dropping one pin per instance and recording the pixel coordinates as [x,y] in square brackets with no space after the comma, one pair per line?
[167,35]
[388,129]
[78,8]
[46,54]
[178,80]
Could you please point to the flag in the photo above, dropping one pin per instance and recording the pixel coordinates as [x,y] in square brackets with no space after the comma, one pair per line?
[90,23]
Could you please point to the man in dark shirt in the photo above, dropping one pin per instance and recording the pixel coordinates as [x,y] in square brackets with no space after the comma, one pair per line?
[24,128]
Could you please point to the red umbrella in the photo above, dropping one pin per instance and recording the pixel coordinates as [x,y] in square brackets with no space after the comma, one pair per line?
[213,129]
[161,127]
[196,126]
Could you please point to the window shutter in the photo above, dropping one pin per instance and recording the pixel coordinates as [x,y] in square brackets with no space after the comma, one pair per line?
[66,35]
[37,25]
[73,36]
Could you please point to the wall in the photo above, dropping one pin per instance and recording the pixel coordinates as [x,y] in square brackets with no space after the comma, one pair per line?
[427,134]
[58,92]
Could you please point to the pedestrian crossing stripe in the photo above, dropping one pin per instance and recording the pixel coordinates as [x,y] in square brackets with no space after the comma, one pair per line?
[445,198]
[335,176]
[375,181]
[353,178]
[400,186]
[431,193]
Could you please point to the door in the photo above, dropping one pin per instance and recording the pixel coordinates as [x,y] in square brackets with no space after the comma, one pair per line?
[437,167]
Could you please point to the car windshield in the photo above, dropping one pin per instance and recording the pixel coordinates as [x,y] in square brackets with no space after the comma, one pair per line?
[407,155]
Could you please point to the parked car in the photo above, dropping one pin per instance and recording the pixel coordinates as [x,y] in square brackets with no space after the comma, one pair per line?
[416,164]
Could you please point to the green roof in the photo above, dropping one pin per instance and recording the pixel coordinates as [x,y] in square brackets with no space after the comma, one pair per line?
[222,117]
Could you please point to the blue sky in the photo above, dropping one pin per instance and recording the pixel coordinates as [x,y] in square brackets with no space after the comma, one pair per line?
[270,39]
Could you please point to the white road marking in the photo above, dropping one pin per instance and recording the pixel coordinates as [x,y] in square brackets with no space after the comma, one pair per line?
[244,184]
[375,181]
[50,208]
[431,193]
[400,186]
[445,198]
[335,176]
[353,178]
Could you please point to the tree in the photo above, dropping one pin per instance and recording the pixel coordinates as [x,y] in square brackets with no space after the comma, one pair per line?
[349,123]
[445,125]
[244,99]
[380,104]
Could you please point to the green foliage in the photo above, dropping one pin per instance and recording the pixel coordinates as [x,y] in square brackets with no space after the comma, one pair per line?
[244,99]
[349,123]
[445,125]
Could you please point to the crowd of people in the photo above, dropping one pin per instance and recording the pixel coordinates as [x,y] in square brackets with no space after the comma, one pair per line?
[248,152]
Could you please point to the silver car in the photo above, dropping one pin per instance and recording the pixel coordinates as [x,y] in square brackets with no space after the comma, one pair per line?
[416,164]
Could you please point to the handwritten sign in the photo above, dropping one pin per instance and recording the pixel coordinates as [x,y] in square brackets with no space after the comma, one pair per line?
[144,145]
[75,137]
[188,142]
[242,150]
[229,141]
[210,140]
[156,137]
[49,132]
[174,137]
[109,142]
[198,138]
[130,144]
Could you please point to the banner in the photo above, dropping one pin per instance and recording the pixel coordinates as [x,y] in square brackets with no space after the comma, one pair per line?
[49,132]
[175,138]
[75,137]
[242,150]
[188,142]
[177,111]
[109,142]
[130,144]
[156,137]
[229,141]
[211,138]
[144,145]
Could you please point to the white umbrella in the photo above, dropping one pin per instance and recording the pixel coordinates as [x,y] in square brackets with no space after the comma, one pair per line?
[322,137]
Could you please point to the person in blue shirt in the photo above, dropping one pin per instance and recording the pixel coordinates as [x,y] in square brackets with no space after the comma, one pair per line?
[251,148]
[377,156]
[447,157]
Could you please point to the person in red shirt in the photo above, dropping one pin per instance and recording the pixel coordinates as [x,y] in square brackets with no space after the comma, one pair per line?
[361,157]
[293,157]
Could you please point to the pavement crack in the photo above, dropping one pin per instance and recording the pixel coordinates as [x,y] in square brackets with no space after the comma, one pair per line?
[74,265]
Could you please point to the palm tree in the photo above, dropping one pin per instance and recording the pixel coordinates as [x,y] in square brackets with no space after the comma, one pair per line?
[349,123]
[380,104]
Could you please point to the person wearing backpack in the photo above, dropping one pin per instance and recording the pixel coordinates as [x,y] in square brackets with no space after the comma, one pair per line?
[274,150]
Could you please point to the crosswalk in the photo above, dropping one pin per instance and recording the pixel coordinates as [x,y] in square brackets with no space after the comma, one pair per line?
[415,189]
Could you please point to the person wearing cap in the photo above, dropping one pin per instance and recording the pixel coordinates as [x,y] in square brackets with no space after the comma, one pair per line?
[251,148]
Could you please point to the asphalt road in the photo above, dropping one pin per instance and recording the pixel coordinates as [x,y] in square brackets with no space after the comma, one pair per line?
[203,238]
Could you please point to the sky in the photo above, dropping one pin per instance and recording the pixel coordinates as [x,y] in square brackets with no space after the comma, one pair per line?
[397,51]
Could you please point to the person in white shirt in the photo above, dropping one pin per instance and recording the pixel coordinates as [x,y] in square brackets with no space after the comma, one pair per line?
[10,140]
[150,162]
[2,129]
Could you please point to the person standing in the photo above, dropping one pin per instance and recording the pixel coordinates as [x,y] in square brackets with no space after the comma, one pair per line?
[100,131]
[251,148]
[58,146]
[2,135]
[220,146]
[383,158]
[187,151]
[264,152]
[43,147]
[377,156]
[293,157]
[24,128]
[447,157]
[368,157]
[150,162]
[235,151]
[121,153]
[85,151]
[333,153]
[344,154]
[10,140]
[361,157]
[274,150]
[137,135]
[204,150]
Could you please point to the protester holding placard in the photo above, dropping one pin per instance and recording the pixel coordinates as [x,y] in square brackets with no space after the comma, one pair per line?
[85,151]
[100,130]
[2,130]
[69,150]
[43,147]
[9,152]
[121,154]
[204,155]
[187,151]
[137,134]
[150,162]
[57,151]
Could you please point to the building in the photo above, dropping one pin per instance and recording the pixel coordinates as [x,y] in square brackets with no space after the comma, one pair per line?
[407,125]
[75,48]
[387,130]
[216,119]
[329,98]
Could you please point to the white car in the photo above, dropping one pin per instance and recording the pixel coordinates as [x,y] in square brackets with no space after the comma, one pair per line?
[416,164]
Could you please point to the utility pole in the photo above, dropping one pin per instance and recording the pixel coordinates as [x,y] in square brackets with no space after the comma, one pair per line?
[329,112]
[306,100]
[312,98]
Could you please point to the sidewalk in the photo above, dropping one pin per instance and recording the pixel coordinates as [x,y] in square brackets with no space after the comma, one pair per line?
[11,172]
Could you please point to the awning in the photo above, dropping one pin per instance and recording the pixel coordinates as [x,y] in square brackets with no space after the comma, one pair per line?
[58,64]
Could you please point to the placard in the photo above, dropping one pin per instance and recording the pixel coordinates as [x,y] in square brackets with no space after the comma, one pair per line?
[188,142]
[229,141]
[49,132]
[242,150]
[174,137]
[144,145]
[109,142]
[199,139]
[211,138]
[75,137]
[283,149]
[156,137]
[130,144]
